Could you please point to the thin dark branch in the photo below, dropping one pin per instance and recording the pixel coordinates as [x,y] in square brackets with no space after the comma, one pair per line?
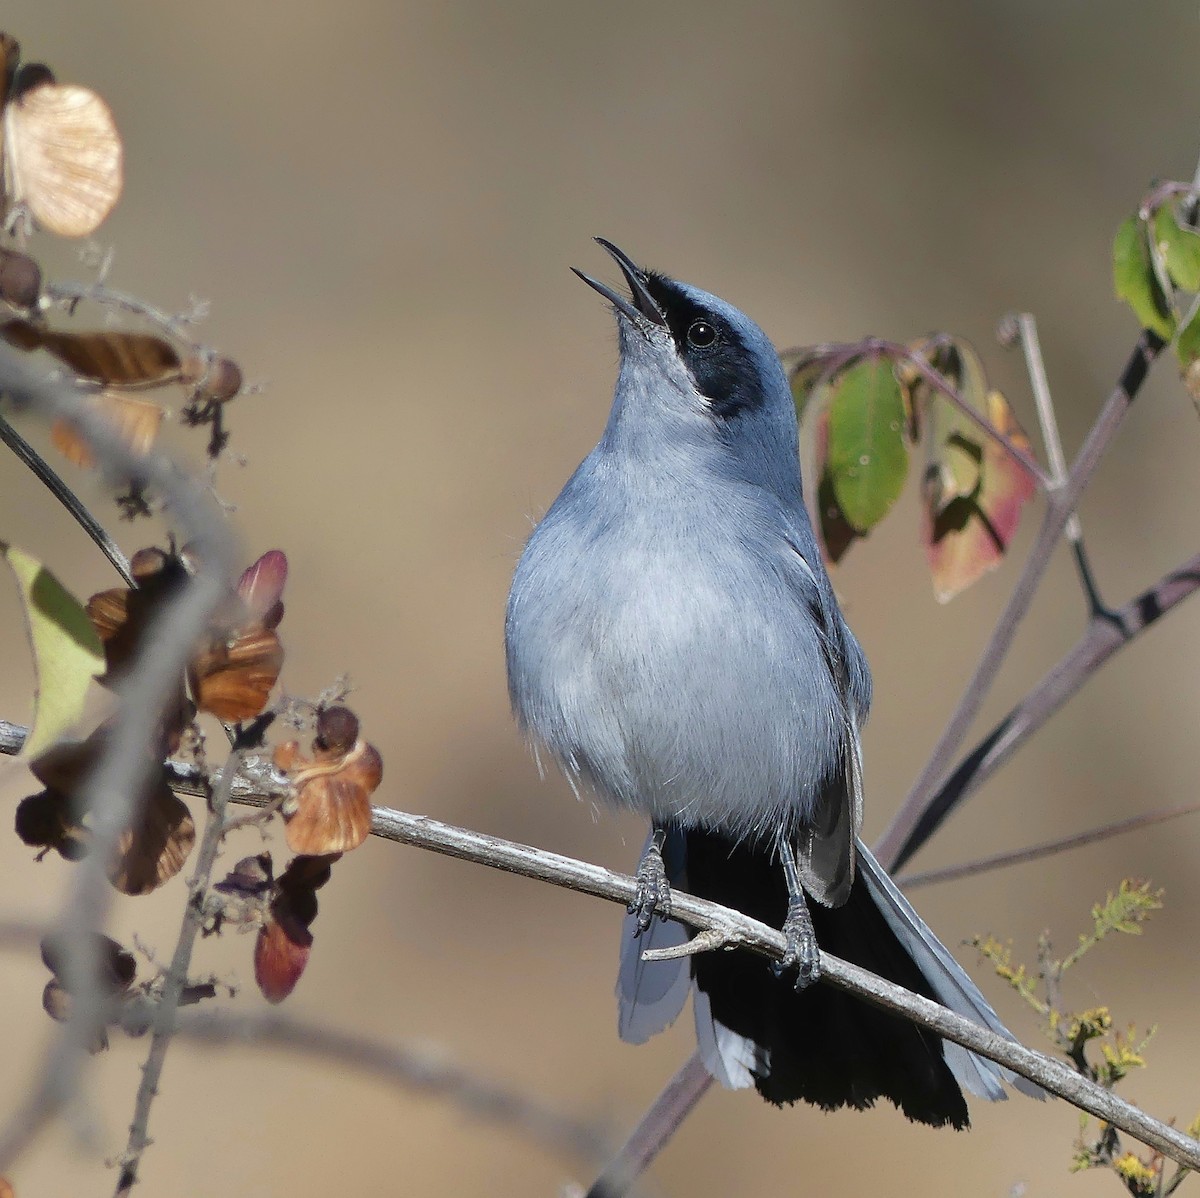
[407,1067]
[50,478]
[1048,848]
[894,846]
[1105,635]
[668,1111]
[176,979]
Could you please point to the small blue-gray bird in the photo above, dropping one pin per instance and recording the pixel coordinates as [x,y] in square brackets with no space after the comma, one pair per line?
[674,642]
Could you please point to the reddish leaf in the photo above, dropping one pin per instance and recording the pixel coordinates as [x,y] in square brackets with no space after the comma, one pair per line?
[261,586]
[967,537]
[281,953]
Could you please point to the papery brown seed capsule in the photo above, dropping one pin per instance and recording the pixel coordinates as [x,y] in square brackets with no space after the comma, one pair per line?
[134,421]
[56,1002]
[307,872]
[154,850]
[280,955]
[249,878]
[333,802]
[62,156]
[146,563]
[337,730]
[20,279]
[232,678]
[117,965]
[214,380]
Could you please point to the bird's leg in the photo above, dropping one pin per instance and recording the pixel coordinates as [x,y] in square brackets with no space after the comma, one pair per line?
[653,890]
[802,953]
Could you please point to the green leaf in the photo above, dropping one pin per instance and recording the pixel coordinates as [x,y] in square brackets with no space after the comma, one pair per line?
[1187,344]
[1135,282]
[867,457]
[67,653]
[1180,248]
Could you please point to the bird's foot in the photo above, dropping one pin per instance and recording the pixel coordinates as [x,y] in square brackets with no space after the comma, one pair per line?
[653,890]
[802,953]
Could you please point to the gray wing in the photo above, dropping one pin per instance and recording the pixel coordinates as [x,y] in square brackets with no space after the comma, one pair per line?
[650,994]
[825,848]
[950,983]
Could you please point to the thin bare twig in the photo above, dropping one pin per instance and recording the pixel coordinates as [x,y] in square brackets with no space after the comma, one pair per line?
[69,295]
[894,847]
[1048,848]
[407,1067]
[1026,330]
[1104,636]
[176,978]
[676,1102]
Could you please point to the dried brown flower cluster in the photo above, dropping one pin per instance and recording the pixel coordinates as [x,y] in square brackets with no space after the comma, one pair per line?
[61,171]
[231,675]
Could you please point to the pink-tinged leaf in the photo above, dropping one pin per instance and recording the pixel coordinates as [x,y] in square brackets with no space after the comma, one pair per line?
[835,533]
[953,441]
[261,584]
[967,537]
[281,953]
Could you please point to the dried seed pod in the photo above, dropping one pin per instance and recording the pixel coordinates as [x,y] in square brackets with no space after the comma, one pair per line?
[135,421]
[106,356]
[155,848]
[62,156]
[56,1002]
[121,616]
[251,877]
[281,952]
[117,965]
[331,812]
[231,676]
[213,380]
[307,872]
[46,821]
[337,730]
[20,279]
[10,55]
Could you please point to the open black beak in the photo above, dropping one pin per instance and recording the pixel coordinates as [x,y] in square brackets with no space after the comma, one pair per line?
[643,309]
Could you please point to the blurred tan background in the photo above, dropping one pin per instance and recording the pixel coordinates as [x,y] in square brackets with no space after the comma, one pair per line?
[382,200]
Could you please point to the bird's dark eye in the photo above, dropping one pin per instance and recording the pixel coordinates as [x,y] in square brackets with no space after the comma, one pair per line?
[701,334]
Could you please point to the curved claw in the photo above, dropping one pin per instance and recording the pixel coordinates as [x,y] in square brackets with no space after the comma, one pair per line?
[653,891]
[802,953]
